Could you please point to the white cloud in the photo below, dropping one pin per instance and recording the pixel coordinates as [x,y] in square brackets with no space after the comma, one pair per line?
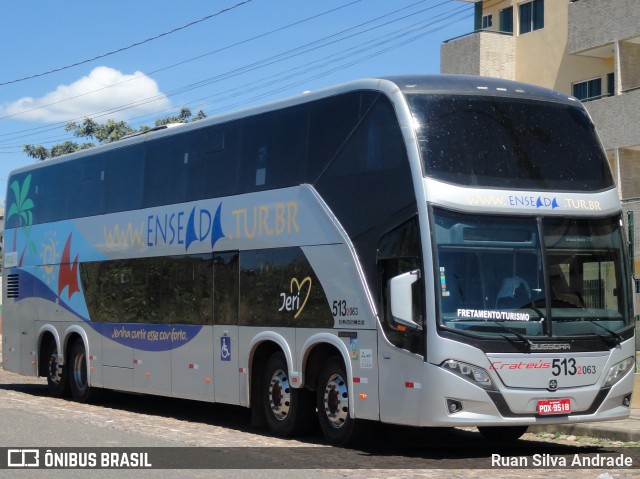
[91,95]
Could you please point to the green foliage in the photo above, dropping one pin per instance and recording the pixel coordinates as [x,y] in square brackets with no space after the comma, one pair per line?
[68,147]
[103,133]
[38,152]
[185,116]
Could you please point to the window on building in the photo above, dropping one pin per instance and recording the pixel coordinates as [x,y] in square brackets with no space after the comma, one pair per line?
[506,20]
[588,90]
[611,84]
[477,16]
[531,16]
[487,21]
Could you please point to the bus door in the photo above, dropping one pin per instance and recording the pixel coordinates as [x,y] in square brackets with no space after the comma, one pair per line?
[401,350]
[226,280]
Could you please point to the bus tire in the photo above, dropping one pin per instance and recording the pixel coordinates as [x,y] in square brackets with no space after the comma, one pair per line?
[287,410]
[332,403]
[78,375]
[502,433]
[57,376]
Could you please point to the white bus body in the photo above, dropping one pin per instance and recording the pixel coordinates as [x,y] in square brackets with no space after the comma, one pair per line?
[429,251]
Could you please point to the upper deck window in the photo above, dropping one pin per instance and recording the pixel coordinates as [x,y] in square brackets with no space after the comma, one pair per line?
[513,143]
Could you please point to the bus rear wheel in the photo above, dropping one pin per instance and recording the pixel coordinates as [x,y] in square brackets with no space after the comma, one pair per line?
[57,377]
[287,410]
[78,375]
[332,402]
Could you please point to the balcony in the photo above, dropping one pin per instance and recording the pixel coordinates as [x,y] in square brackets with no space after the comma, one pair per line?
[595,26]
[616,118]
[485,52]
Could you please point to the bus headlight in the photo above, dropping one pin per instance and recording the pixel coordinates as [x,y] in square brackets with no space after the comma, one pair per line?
[618,371]
[474,374]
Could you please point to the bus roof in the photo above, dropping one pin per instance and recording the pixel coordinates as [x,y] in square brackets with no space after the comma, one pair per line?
[405,84]
[475,85]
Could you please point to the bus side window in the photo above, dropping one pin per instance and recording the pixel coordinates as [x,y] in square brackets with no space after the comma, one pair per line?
[213,161]
[166,173]
[226,283]
[366,181]
[124,176]
[121,291]
[399,252]
[274,150]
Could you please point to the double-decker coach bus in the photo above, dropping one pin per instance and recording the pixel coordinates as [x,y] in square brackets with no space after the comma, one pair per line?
[419,250]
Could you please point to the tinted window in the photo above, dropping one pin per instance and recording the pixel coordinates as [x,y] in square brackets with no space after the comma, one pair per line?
[279,288]
[226,288]
[509,143]
[166,171]
[398,253]
[367,181]
[213,161]
[331,123]
[494,276]
[175,290]
[274,150]
[54,199]
[350,146]
[124,173]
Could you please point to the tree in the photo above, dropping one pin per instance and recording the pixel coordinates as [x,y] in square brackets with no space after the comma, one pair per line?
[103,133]
[184,116]
[37,151]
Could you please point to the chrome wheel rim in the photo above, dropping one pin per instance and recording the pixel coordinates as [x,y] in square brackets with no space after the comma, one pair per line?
[336,401]
[55,371]
[79,372]
[279,395]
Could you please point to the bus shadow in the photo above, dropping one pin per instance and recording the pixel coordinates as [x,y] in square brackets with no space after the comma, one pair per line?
[386,446]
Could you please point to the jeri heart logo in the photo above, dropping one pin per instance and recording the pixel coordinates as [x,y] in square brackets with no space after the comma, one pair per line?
[292,301]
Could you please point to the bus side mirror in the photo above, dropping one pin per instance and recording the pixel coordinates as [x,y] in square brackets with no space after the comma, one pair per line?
[401,300]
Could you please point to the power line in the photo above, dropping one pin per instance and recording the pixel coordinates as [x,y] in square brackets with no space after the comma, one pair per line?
[353,61]
[300,50]
[337,57]
[227,47]
[329,40]
[128,47]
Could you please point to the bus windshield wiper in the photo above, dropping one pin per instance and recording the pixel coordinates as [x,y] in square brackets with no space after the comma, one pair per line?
[515,333]
[617,339]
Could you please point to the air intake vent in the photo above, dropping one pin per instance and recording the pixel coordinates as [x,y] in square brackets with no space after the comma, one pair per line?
[13,286]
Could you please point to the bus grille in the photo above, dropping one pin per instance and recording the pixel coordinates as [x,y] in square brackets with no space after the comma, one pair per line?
[13,286]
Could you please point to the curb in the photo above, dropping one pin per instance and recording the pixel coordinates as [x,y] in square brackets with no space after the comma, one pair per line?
[614,432]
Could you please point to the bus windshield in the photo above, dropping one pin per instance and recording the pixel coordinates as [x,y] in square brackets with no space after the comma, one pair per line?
[497,277]
[506,142]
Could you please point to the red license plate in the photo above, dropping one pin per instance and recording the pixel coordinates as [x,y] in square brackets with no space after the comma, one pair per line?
[554,406]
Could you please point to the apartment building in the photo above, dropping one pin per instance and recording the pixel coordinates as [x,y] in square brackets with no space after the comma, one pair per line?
[586,48]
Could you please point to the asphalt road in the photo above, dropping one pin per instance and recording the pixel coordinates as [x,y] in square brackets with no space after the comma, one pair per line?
[219,437]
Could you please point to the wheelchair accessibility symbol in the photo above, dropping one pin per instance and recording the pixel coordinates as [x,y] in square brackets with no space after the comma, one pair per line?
[225,348]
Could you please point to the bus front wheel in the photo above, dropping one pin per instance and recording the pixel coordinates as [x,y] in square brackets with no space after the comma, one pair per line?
[332,402]
[287,410]
[78,376]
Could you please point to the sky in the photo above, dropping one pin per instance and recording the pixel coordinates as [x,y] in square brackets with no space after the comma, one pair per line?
[142,60]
